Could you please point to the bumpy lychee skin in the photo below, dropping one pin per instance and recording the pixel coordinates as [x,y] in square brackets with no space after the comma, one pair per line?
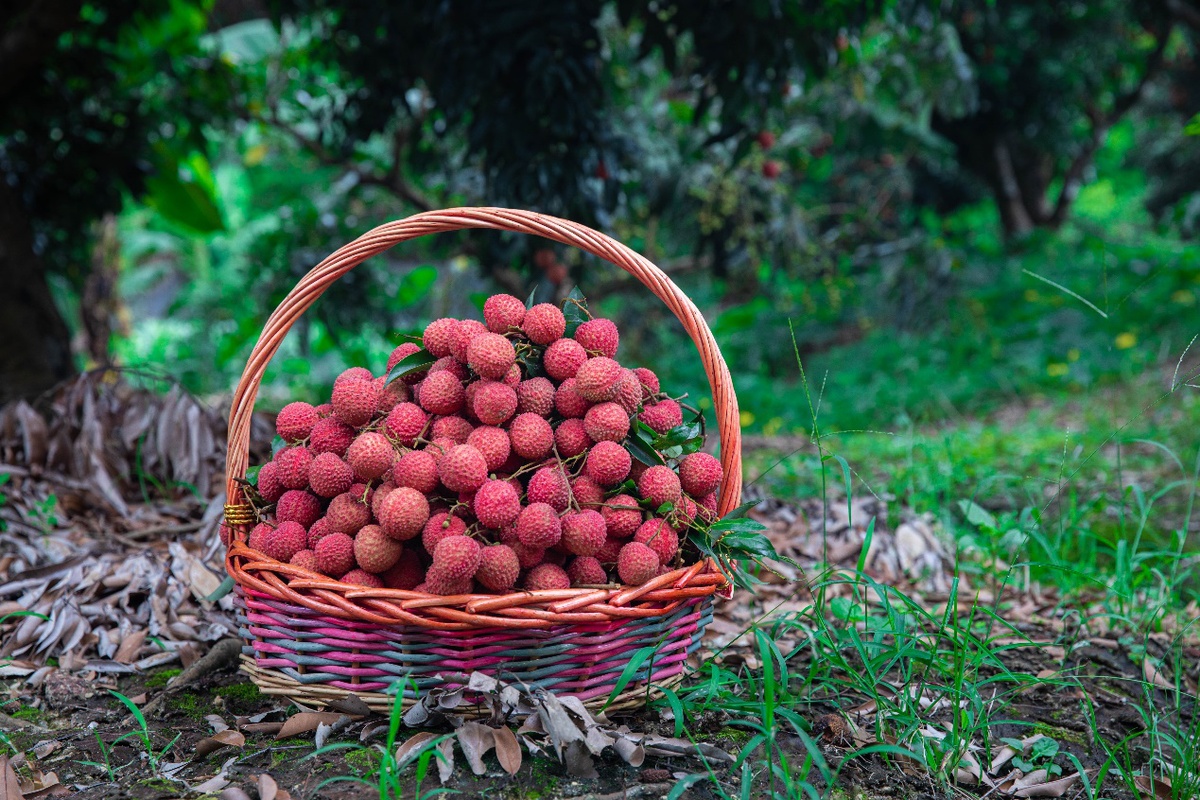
[335,555]
[606,422]
[662,416]
[494,443]
[439,337]
[440,583]
[629,392]
[329,475]
[257,540]
[295,422]
[599,337]
[374,550]
[636,564]
[610,550]
[649,382]
[305,559]
[440,526]
[491,356]
[331,435]
[293,464]
[496,504]
[622,516]
[587,493]
[354,401]
[531,435]
[287,539]
[347,513]
[571,438]
[529,557]
[380,494]
[457,557]
[405,423]
[608,463]
[547,576]
[549,485]
[406,573]
[539,526]
[318,531]
[324,410]
[699,473]
[370,455]
[659,484]
[359,577]
[452,427]
[502,313]
[400,353]
[354,373]
[466,331]
[586,571]
[544,323]
[583,533]
[563,358]
[269,487]
[513,377]
[660,537]
[463,468]
[442,393]
[451,365]
[494,403]
[536,396]
[297,505]
[403,513]
[568,402]
[417,469]
[597,379]
[499,568]
[390,396]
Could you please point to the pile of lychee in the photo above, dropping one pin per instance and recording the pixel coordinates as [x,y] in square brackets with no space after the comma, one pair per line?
[501,464]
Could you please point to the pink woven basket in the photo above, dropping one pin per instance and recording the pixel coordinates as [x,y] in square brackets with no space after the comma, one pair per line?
[315,639]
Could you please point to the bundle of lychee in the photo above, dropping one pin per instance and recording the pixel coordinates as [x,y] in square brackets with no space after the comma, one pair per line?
[512,453]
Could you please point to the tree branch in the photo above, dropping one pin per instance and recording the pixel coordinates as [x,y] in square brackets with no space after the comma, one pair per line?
[29,38]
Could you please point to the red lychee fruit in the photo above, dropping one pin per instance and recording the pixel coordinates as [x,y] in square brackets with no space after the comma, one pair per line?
[586,492]
[659,484]
[442,393]
[583,533]
[416,469]
[549,485]
[405,423]
[499,568]
[305,559]
[629,392]
[370,455]
[406,573]
[493,442]
[699,473]
[452,427]
[491,356]
[457,557]
[355,400]
[513,376]
[466,331]
[329,475]
[331,435]
[496,504]
[335,555]
[400,353]
[571,438]
[528,557]
[536,396]
[293,464]
[463,468]
[440,583]
[563,358]
[569,402]
[649,382]
[269,487]
[318,531]
[403,513]
[586,571]
[374,550]
[544,323]
[390,395]
[599,337]
[531,435]
[622,516]
[608,463]
[547,576]
[494,403]
[771,169]
[354,373]
[295,422]
[538,526]
[347,513]
[660,537]
[662,416]
[285,540]
[610,550]
[597,379]
[606,422]
[439,337]
[297,505]
[439,526]
[359,577]
[765,139]
[451,365]
[501,313]
[636,564]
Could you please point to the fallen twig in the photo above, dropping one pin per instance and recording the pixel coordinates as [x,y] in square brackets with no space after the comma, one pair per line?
[222,654]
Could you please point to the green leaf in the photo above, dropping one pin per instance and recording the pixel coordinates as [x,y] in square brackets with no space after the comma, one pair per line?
[642,449]
[976,515]
[575,310]
[685,783]
[414,362]
[529,302]
[415,285]
[252,475]
[184,192]
[676,708]
[753,544]
[1193,126]
[635,663]
[277,444]
[866,545]
[741,511]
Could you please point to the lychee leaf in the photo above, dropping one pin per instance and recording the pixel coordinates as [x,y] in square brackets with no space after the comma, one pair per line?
[252,475]
[665,508]
[414,362]
[529,303]
[575,311]
[413,338]
[641,448]
[530,359]
[277,444]
[739,512]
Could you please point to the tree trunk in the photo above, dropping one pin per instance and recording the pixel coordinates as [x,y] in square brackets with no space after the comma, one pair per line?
[35,344]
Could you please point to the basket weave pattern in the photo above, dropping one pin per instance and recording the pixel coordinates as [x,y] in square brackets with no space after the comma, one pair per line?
[313,638]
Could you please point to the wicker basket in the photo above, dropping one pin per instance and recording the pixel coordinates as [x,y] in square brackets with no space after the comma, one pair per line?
[314,639]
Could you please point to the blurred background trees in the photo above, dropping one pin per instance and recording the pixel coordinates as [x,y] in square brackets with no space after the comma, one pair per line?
[900,184]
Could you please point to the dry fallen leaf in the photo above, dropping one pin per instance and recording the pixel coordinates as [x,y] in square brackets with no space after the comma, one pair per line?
[476,739]
[1153,788]
[1154,674]
[225,738]
[445,763]
[267,788]
[304,722]
[234,793]
[413,746]
[1056,788]
[10,787]
[508,750]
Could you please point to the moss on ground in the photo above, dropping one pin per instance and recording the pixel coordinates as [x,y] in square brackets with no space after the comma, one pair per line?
[161,678]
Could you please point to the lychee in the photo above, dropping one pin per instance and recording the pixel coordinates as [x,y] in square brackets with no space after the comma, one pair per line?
[549,485]
[607,463]
[531,435]
[622,516]
[544,323]
[528,557]
[269,487]
[441,583]
[563,358]
[359,577]
[598,337]
[318,531]
[513,376]
[442,393]
[503,312]
[659,484]
[297,505]
[439,337]
[536,396]
[285,540]
[463,468]
[400,353]
[496,504]
[452,427]
[491,356]
[586,492]
[355,400]
[335,555]
[636,564]
[381,492]
[649,382]
[324,410]
[610,550]
[403,513]
[293,464]
[586,571]
[466,331]
[538,526]
[660,537]
[662,416]
[329,475]
[493,442]
[583,533]
[390,395]
[439,526]
[457,557]
[451,365]
[295,422]
[547,576]
[494,403]
[571,438]
[406,573]
[606,422]
[499,568]
[417,469]
[370,455]
[629,392]
[569,402]
[597,379]
[374,550]
[354,373]
[305,559]
[699,473]
[347,513]
[331,435]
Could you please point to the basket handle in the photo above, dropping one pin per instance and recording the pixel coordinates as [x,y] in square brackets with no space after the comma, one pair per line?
[379,239]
